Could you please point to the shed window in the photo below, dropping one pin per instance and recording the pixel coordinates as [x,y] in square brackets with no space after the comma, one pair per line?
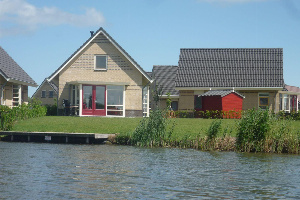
[100,62]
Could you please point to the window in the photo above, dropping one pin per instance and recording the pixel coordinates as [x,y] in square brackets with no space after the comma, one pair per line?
[145,102]
[293,103]
[115,104]
[287,103]
[50,94]
[16,95]
[263,100]
[174,105]
[100,62]
[198,102]
[44,94]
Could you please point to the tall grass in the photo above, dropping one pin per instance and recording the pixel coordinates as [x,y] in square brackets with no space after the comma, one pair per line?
[152,131]
[257,131]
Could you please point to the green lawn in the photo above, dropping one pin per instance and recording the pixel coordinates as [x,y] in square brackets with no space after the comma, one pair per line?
[77,124]
[189,127]
[183,127]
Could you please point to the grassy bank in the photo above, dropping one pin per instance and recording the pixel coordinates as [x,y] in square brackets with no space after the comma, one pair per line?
[187,133]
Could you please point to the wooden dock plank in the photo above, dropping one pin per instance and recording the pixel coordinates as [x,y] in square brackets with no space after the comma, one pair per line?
[90,135]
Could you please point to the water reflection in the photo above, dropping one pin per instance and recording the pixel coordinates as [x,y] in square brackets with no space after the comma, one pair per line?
[55,171]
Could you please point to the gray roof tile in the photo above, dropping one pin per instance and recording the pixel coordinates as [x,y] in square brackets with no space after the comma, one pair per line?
[11,70]
[164,77]
[236,67]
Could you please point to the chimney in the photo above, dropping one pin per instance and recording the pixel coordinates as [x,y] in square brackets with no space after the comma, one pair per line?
[92,33]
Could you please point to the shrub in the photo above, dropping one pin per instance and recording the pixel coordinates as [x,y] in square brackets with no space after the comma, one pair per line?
[51,110]
[8,115]
[252,130]
[152,131]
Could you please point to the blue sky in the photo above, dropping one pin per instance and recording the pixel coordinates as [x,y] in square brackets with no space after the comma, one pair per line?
[41,35]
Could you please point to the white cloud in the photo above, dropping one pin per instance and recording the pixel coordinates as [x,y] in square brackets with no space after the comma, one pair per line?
[17,15]
[230,1]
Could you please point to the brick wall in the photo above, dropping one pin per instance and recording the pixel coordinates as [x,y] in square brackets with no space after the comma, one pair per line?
[186,100]
[251,99]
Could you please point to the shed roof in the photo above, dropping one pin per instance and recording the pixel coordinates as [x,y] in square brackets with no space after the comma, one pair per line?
[12,72]
[164,76]
[232,67]
[221,93]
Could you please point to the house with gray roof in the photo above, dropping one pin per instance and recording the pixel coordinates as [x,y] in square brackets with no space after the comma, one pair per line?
[101,79]
[254,73]
[46,93]
[14,81]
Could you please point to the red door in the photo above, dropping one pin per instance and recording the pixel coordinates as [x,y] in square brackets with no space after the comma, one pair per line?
[93,100]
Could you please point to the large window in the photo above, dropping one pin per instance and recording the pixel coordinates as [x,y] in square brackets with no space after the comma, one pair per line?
[100,62]
[16,95]
[145,102]
[263,100]
[288,103]
[115,104]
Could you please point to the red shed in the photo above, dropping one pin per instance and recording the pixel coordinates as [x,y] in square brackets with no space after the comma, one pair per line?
[222,100]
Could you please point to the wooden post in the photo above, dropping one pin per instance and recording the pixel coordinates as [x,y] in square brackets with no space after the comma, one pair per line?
[87,140]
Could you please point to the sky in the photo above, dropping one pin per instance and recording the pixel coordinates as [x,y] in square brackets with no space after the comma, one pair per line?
[41,35]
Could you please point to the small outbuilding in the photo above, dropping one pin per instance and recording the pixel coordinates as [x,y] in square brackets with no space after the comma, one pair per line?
[222,100]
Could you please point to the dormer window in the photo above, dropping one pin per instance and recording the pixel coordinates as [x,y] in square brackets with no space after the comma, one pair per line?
[100,62]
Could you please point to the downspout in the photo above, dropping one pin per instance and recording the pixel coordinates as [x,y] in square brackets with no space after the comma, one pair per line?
[2,88]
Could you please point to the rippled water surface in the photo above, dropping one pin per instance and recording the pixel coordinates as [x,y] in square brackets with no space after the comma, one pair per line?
[60,171]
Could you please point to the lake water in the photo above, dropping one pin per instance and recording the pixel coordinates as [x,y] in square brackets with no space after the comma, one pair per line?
[66,171]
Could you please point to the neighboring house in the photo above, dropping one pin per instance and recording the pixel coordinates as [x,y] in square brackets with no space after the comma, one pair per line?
[102,79]
[256,74]
[46,93]
[14,81]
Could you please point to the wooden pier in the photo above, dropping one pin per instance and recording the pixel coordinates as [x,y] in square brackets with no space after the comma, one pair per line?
[56,137]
